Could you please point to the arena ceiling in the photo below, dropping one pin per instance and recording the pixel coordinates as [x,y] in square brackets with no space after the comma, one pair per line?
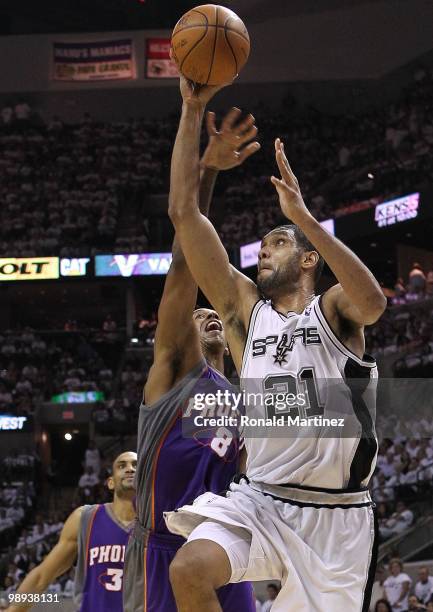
[50,16]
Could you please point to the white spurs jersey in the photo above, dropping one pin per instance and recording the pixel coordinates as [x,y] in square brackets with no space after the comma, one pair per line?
[297,359]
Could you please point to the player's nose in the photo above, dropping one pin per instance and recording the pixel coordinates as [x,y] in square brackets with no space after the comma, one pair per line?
[264,253]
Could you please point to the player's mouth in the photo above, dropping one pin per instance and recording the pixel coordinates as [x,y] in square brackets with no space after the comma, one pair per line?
[213,325]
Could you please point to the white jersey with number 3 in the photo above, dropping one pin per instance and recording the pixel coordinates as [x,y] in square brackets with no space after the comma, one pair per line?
[298,356]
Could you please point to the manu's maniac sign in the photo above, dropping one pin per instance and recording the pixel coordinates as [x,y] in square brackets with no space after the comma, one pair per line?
[93,61]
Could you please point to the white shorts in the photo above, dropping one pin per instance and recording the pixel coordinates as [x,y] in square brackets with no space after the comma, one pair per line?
[320,545]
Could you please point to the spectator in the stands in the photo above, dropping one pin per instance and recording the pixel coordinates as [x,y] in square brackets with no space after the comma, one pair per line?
[429,284]
[398,522]
[415,605]
[417,280]
[7,115]
[382,605]
[87,483]
[9,586]
[93,457]
[397,586]
[378,591]
[272,591]
[424,586]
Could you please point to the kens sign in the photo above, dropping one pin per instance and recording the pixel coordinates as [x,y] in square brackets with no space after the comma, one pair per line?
[28,268]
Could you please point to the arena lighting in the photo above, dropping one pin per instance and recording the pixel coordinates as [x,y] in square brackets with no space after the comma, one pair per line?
[68,436]
[370,175]
[134,340]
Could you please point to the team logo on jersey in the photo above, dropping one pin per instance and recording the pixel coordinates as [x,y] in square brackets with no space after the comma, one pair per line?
[307,335]
[281,351]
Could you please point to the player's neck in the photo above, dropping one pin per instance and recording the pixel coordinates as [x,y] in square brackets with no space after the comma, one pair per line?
[295,302]
[216,361]
[123,510]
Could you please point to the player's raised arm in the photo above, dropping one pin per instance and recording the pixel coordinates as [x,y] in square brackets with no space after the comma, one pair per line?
[207,258]
[56,563]
[358,297]
[177,347]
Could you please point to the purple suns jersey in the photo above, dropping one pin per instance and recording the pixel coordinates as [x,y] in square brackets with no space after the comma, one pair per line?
[176,463]
[102,542]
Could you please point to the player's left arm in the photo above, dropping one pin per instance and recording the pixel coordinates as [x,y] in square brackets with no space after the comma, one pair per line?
[357,298]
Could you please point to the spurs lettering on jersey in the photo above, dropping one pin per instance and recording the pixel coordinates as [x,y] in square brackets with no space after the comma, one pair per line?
[306,335]
[300,354]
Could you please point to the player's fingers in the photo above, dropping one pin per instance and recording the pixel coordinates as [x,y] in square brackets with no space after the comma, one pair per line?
[210,124]
[230,118]
[285,174]
[286,163]
[248,150]
[277,182]
[245,125]
[249,135]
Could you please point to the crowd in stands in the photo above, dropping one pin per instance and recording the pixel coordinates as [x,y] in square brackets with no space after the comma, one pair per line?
[397,592]
[63,186]
[36,366]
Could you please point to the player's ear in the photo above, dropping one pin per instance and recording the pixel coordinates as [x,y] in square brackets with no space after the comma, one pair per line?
[227,351]
[309,259]
[110,483]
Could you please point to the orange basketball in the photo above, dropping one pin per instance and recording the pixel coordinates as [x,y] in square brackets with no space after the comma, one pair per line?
[210,45]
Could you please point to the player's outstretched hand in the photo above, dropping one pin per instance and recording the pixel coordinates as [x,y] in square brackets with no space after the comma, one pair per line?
[289,193]
[231,145]
[196,94]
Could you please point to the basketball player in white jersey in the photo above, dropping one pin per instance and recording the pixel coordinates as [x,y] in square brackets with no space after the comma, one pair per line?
[303,514]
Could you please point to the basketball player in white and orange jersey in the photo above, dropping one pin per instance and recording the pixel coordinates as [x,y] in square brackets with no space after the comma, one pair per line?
[303,515]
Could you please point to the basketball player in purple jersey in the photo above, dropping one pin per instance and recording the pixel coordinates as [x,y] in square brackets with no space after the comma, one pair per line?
[189,355]
[94,537]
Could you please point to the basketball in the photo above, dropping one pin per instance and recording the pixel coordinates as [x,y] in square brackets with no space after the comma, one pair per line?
[210,45]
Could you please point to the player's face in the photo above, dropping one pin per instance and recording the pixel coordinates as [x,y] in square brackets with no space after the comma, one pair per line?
[210,327]
[124,468]
[279,263]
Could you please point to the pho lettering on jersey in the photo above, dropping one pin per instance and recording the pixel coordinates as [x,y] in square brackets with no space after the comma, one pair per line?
[107,554]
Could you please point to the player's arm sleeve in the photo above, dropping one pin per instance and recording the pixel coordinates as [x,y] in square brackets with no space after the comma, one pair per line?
[56,563]
[226,288]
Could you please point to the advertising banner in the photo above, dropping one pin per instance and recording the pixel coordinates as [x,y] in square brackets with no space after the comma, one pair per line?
[78,397]
[77,266]
[142,264]
[158,62]
[93,61]
[28,268]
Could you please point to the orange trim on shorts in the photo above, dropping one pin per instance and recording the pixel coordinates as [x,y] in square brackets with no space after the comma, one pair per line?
[89,531]
[145,580]
[155,465]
